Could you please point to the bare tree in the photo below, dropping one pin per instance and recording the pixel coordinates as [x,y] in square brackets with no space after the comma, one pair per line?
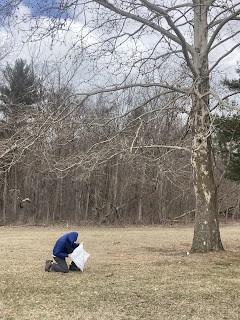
[194,33]
[178,45]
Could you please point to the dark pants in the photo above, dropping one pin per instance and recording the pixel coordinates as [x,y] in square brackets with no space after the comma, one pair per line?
[60,265]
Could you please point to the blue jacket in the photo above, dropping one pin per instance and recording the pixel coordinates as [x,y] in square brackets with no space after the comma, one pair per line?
[65,245]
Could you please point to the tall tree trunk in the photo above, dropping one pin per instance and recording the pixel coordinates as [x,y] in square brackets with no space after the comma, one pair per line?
[140,202]
[115,192]
[47,206]
[55,205]
[15,195]
[206,230]
[87,200]
[4,216]
[78,193]
[61,216]
[36,197]
[162,207]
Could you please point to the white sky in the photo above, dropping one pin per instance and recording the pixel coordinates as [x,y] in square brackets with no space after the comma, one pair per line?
[51,54]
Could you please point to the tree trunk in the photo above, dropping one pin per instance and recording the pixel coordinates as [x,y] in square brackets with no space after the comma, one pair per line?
[206,230]
[47,206]
[77,200]
[4,216]
[140,201]
[15,194]
[87,201]
[115,193]
[60,213]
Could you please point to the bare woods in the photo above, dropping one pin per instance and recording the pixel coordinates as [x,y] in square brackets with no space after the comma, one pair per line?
[68,160]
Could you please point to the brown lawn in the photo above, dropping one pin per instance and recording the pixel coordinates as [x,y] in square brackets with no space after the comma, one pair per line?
[133,273]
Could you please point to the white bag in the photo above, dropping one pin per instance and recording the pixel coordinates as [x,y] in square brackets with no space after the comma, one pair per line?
[79,256]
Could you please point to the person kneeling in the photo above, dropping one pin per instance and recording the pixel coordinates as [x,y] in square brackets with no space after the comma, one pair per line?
[62,248]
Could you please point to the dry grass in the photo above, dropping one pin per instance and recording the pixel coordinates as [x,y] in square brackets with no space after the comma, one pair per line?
[133,273]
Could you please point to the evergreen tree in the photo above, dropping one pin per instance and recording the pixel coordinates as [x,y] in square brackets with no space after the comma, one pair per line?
[228,141]
[233,84]
[228,136]
[20,92]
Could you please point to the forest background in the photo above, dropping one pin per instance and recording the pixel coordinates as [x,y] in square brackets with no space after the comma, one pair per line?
[111,157]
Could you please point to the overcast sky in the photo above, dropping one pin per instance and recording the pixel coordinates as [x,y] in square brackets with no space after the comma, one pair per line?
[52,54]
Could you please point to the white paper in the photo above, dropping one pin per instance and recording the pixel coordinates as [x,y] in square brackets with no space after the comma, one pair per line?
[79,256]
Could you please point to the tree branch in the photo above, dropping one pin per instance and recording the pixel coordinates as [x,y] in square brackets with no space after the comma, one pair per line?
[219,27]
[177,39]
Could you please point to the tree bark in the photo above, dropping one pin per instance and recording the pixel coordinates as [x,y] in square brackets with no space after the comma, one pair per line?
[140,201]
[87,200]
[77,200]
[4,216]
[206,231]
[15,194]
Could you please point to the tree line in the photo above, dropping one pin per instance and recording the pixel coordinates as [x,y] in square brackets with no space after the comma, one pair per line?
[144,120]
[82,166]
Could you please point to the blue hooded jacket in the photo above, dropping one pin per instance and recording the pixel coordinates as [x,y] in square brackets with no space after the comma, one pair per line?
[65,245]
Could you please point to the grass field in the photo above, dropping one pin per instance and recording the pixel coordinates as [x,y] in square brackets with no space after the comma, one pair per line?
[133,273]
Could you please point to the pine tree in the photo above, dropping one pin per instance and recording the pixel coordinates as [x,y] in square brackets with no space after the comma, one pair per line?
[228,136]
[233,84]
[20,92]
[228,142]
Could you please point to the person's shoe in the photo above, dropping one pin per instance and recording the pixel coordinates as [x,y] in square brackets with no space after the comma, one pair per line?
[48,265]
[73,267]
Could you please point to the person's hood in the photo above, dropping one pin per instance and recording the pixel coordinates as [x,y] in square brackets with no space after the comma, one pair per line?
[72,236]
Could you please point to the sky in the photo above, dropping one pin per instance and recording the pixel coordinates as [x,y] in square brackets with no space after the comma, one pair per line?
[46,53]
[50,55]
[38,8]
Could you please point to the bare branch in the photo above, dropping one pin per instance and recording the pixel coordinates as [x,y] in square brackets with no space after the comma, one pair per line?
[221,24]
[178,39]
[185,46]
[223,56]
